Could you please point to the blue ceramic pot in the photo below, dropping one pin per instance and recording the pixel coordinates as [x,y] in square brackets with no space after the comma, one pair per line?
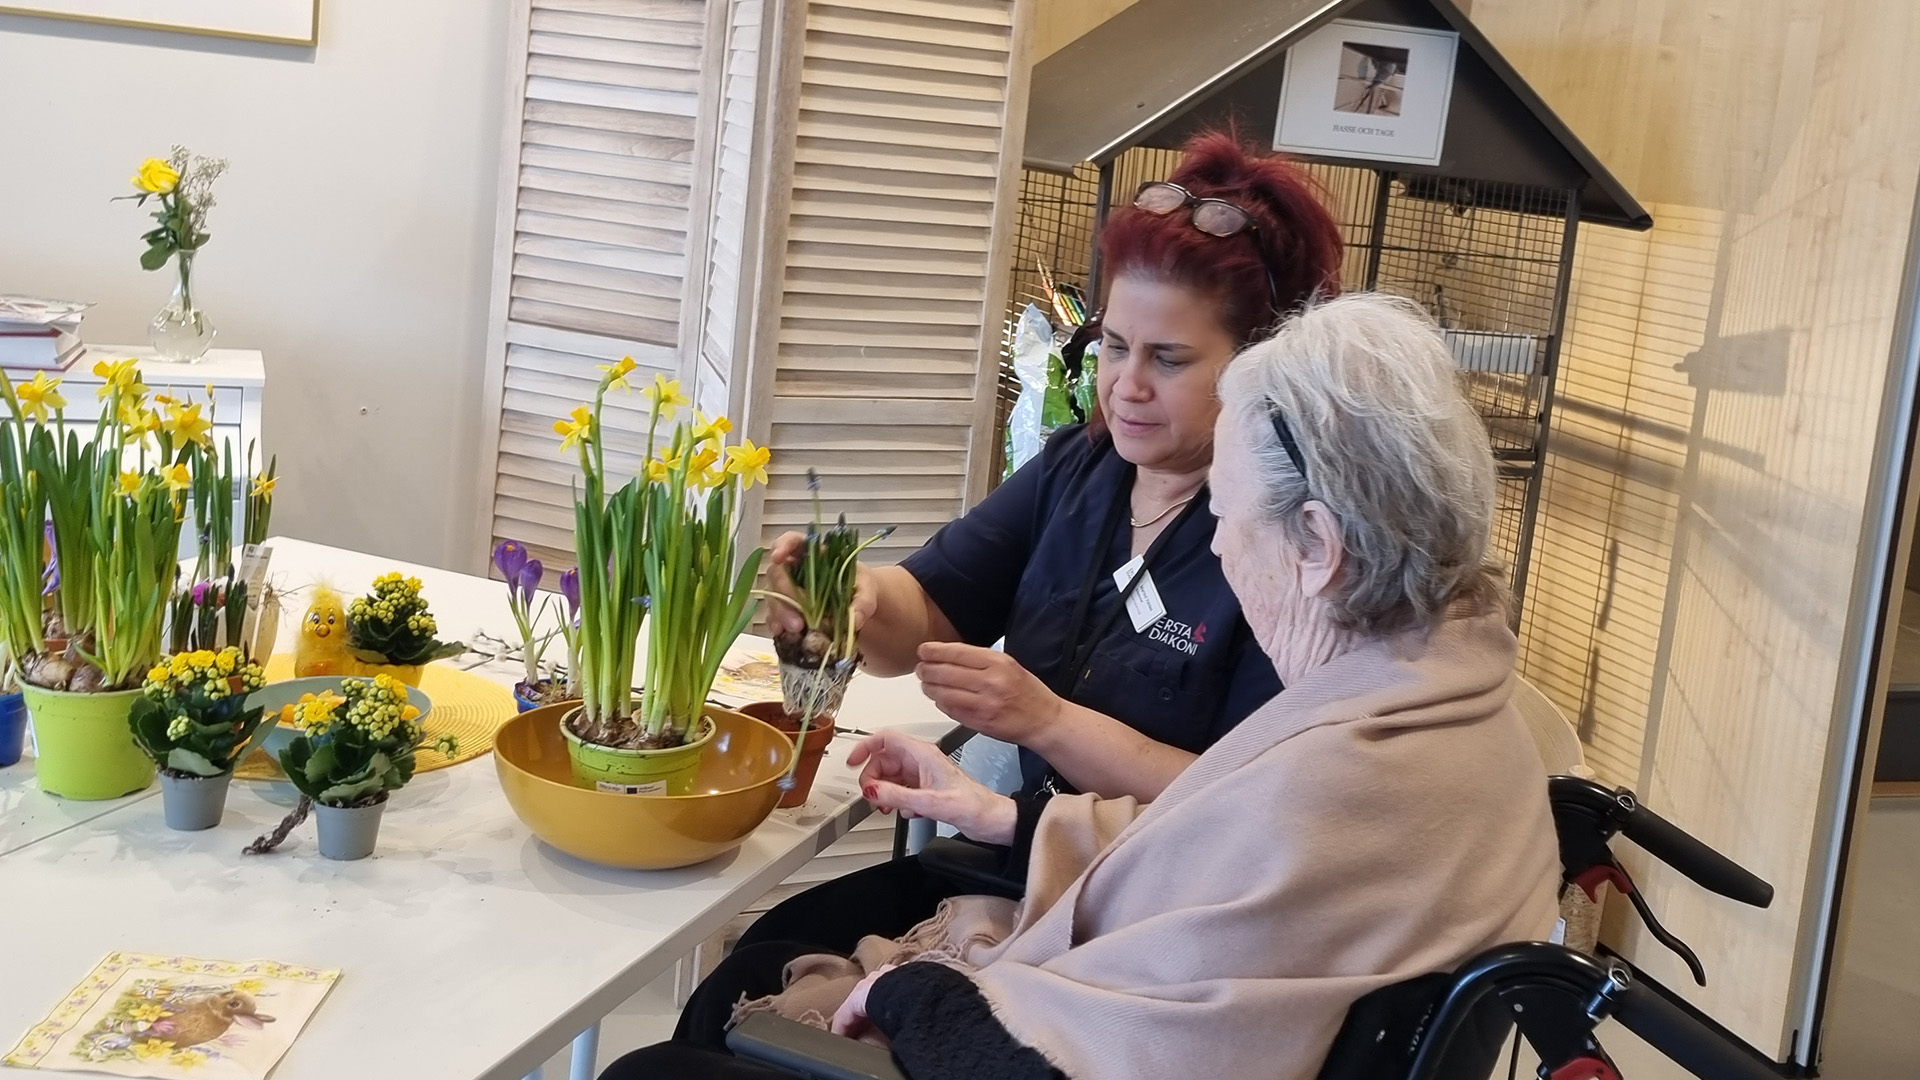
[526,704]
[13,727]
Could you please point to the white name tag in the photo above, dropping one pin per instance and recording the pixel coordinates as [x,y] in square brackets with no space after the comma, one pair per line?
[1143,605]
[1559,935]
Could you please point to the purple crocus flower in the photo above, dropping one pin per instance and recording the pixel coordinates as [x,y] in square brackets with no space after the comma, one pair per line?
[510,556]
[570,588]
[50,578]
[200,593]
[530,576]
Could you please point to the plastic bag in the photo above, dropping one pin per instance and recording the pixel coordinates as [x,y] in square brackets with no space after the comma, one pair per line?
[1032,359]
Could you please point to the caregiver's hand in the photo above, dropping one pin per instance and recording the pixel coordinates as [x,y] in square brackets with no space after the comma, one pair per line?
[912,776]
[986,690]
[783,619]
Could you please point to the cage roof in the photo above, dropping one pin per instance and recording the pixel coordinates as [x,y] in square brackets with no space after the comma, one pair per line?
[1162,69]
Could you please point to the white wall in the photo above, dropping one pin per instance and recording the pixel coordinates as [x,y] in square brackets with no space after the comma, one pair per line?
[351,243]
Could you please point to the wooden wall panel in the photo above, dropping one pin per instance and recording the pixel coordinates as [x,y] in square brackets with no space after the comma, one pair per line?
[1721,393]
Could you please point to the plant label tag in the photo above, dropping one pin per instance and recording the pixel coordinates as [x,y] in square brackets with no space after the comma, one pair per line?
[1125,573]
[1559,935]
[253,566]
[657,787]
[1144,606]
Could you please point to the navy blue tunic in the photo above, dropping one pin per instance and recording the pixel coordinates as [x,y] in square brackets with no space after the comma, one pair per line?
[1014,567]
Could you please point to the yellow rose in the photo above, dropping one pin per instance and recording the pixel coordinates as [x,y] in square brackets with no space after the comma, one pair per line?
[156,177]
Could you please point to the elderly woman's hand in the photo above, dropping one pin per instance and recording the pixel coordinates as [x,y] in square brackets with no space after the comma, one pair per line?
[784,619]
[912,776]
[850,1019]
[986,690]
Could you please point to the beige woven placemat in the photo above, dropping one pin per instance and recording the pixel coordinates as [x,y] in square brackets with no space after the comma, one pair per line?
[465,705]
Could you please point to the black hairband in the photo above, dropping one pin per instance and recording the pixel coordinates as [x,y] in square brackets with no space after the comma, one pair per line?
[1285,434]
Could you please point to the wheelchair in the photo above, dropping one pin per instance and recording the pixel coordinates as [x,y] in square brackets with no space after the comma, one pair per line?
[1446,1025]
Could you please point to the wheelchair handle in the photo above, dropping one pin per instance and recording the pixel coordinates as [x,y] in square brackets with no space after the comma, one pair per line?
[1664,840]
[1684,1039]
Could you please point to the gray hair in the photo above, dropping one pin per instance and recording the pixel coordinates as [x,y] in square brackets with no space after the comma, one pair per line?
[1371,396]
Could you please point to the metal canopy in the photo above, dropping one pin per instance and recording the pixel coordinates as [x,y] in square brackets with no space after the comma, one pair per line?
[1162,69]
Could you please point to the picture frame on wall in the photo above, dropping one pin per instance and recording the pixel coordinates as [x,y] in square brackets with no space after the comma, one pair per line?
[285,22]
[1368,91]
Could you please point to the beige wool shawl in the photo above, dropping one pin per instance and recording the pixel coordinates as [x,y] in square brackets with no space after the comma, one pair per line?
[1382,818]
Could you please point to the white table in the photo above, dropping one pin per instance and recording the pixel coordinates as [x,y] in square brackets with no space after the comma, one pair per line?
[468,948]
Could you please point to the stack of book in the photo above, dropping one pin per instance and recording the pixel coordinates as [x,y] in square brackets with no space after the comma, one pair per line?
[41,335]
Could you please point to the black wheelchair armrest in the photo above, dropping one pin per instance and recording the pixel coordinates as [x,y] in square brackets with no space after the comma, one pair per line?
[975,867]
[809,1052]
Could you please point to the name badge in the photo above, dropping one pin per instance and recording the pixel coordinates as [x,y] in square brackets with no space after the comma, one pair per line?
[1143,604]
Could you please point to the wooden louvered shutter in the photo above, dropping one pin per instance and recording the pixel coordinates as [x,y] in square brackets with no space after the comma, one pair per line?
[723,328]
[877,355]
[592,252]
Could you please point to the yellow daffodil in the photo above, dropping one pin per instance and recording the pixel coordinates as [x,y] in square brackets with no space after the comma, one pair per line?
[250,986]
[188,1058]
[152,1049]
[147,1011]
[263,486]
[156,177]
[136,422]
[701,473]
[39,396]
[660,470]
[615,375]
[714,430]
[178,477]
[572,431]
[188,425]
[119,375]
[748,462]
[131,483]
[666,396]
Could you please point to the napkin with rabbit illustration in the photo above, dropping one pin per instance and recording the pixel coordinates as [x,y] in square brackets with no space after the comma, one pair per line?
[139,1014]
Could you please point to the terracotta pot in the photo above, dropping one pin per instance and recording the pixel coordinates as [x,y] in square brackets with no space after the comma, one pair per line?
[812,752]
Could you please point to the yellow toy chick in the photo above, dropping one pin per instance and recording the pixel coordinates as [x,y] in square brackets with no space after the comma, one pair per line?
[322,648]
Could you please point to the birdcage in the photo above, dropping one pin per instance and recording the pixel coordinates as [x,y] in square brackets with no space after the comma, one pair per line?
[1489,261]
[1484,240]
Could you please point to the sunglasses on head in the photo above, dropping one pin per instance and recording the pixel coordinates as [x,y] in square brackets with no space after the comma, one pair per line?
[1287,442]
[1215,217]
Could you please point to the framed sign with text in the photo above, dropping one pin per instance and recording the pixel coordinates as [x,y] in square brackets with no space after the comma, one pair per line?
[1369,91]
[288,22]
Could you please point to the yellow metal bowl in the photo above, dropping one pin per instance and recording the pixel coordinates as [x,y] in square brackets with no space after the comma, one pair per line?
[737,788]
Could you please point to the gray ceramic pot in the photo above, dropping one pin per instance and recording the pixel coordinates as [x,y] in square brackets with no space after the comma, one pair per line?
[193,803]
[348,832]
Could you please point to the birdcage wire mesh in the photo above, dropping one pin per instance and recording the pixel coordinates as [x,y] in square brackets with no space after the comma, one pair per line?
[1485,259]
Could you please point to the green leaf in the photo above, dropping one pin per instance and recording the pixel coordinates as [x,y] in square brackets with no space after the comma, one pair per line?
[155,257]
[181,759]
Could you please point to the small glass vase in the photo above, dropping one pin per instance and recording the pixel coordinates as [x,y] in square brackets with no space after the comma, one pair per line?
[180,331]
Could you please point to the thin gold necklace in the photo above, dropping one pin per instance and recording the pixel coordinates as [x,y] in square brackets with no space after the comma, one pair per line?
[1163,513]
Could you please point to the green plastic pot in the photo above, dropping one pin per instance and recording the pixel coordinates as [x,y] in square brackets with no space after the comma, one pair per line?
[83,748]
[671,771]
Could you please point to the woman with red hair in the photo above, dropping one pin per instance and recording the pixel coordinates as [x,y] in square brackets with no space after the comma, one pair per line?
[1125,653]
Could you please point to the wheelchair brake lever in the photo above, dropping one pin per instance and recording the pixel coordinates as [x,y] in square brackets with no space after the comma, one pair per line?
[1661,933]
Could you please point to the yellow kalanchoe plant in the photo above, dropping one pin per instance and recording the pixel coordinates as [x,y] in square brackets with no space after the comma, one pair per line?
[662,545]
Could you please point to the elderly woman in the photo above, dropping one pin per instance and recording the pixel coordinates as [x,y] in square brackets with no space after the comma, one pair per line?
[1381,818]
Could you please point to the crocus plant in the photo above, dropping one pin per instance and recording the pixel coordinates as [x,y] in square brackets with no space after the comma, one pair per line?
[523,575]
[663,544]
